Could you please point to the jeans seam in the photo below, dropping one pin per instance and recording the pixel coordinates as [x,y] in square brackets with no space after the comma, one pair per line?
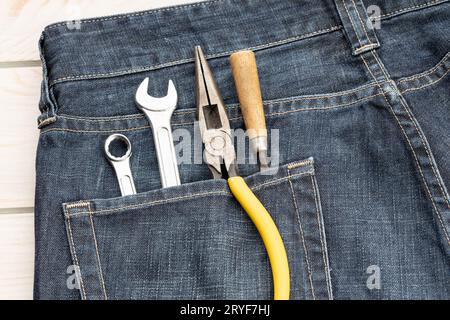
[193,196]
[428,84]
[364,27]
[383,69]
[352,23]
[137,14]
[299,164]
[339,94]
[438,213]
[422,138]
[277,181]
[426,72]
[96,131]
[46,121]
[409,9]
[321,232]
[425,144]
[99,266]
[330,107]
[75,257]
[190,60]
[366,47]
[151,203]
[308,266]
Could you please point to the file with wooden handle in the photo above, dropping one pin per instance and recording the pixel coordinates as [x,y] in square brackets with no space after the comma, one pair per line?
[246,79]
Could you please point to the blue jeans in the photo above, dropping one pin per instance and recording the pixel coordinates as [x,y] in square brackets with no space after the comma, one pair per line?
[360,95]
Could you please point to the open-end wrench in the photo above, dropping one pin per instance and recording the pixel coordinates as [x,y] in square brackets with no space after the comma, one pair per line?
[158,112]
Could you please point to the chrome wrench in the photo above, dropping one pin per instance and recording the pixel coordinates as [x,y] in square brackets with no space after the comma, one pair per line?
[121,163]
[158,112]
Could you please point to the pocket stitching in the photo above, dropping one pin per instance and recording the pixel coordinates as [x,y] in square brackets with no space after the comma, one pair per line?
[308,267]
[322,233]
[164,201]
[428,77]
[230,107]
[437,211]
[420,133]
[428,84]
[270,115]
[427,72]
[363,24]
[99,266]
[75,257]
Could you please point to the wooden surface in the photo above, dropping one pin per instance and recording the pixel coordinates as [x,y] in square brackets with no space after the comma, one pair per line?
[17,255]
[22,22]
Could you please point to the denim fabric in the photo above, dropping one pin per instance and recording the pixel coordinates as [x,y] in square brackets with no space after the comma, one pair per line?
[360,197]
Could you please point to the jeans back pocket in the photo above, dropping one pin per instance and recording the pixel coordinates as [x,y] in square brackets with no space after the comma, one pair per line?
[195,241]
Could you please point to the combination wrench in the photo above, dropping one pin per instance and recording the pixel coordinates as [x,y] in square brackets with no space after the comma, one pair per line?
[159,112]
[121,163]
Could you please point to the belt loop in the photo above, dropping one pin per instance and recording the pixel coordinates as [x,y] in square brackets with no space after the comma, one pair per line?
[46,104]
[357,25]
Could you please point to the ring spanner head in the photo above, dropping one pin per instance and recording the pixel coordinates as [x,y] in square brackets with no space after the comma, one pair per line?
[123,140]
[118,153]
[147,102]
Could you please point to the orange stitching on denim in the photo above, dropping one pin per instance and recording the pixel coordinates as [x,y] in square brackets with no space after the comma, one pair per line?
[278,181]
[151,203]
[80,204]
[416,159]
[190,60]
[351,21]
[413,120]
[423,5]
[230,107]
[95,131]
[339,94]
[428,84]
[422,138]
[75,257]
[99,266]
[325,108]
[46,121]
[322,97]
[308,267]
[427,72]
[362,23]
[300,164]
[137,14]
[180,198]
[330,107]
[438,213]
[366,47]
[134,116]
[383,69]
[324,249]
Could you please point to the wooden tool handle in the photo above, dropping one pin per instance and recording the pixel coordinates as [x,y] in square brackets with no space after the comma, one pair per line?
[245,73]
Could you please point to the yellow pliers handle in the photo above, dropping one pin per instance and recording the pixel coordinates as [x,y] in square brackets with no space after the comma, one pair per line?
[269,234]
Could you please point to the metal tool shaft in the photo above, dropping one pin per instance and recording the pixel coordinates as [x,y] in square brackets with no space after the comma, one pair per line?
[121,164]
[159,112]
[165,150]
[124,177]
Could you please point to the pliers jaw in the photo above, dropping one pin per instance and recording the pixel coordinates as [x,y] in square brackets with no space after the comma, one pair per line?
[213,121]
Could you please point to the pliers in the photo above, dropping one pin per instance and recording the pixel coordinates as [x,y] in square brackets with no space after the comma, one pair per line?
[221,158]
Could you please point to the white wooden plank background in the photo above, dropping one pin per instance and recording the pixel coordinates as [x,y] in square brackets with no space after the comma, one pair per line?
[19,94]
[17,254]
[21,22]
